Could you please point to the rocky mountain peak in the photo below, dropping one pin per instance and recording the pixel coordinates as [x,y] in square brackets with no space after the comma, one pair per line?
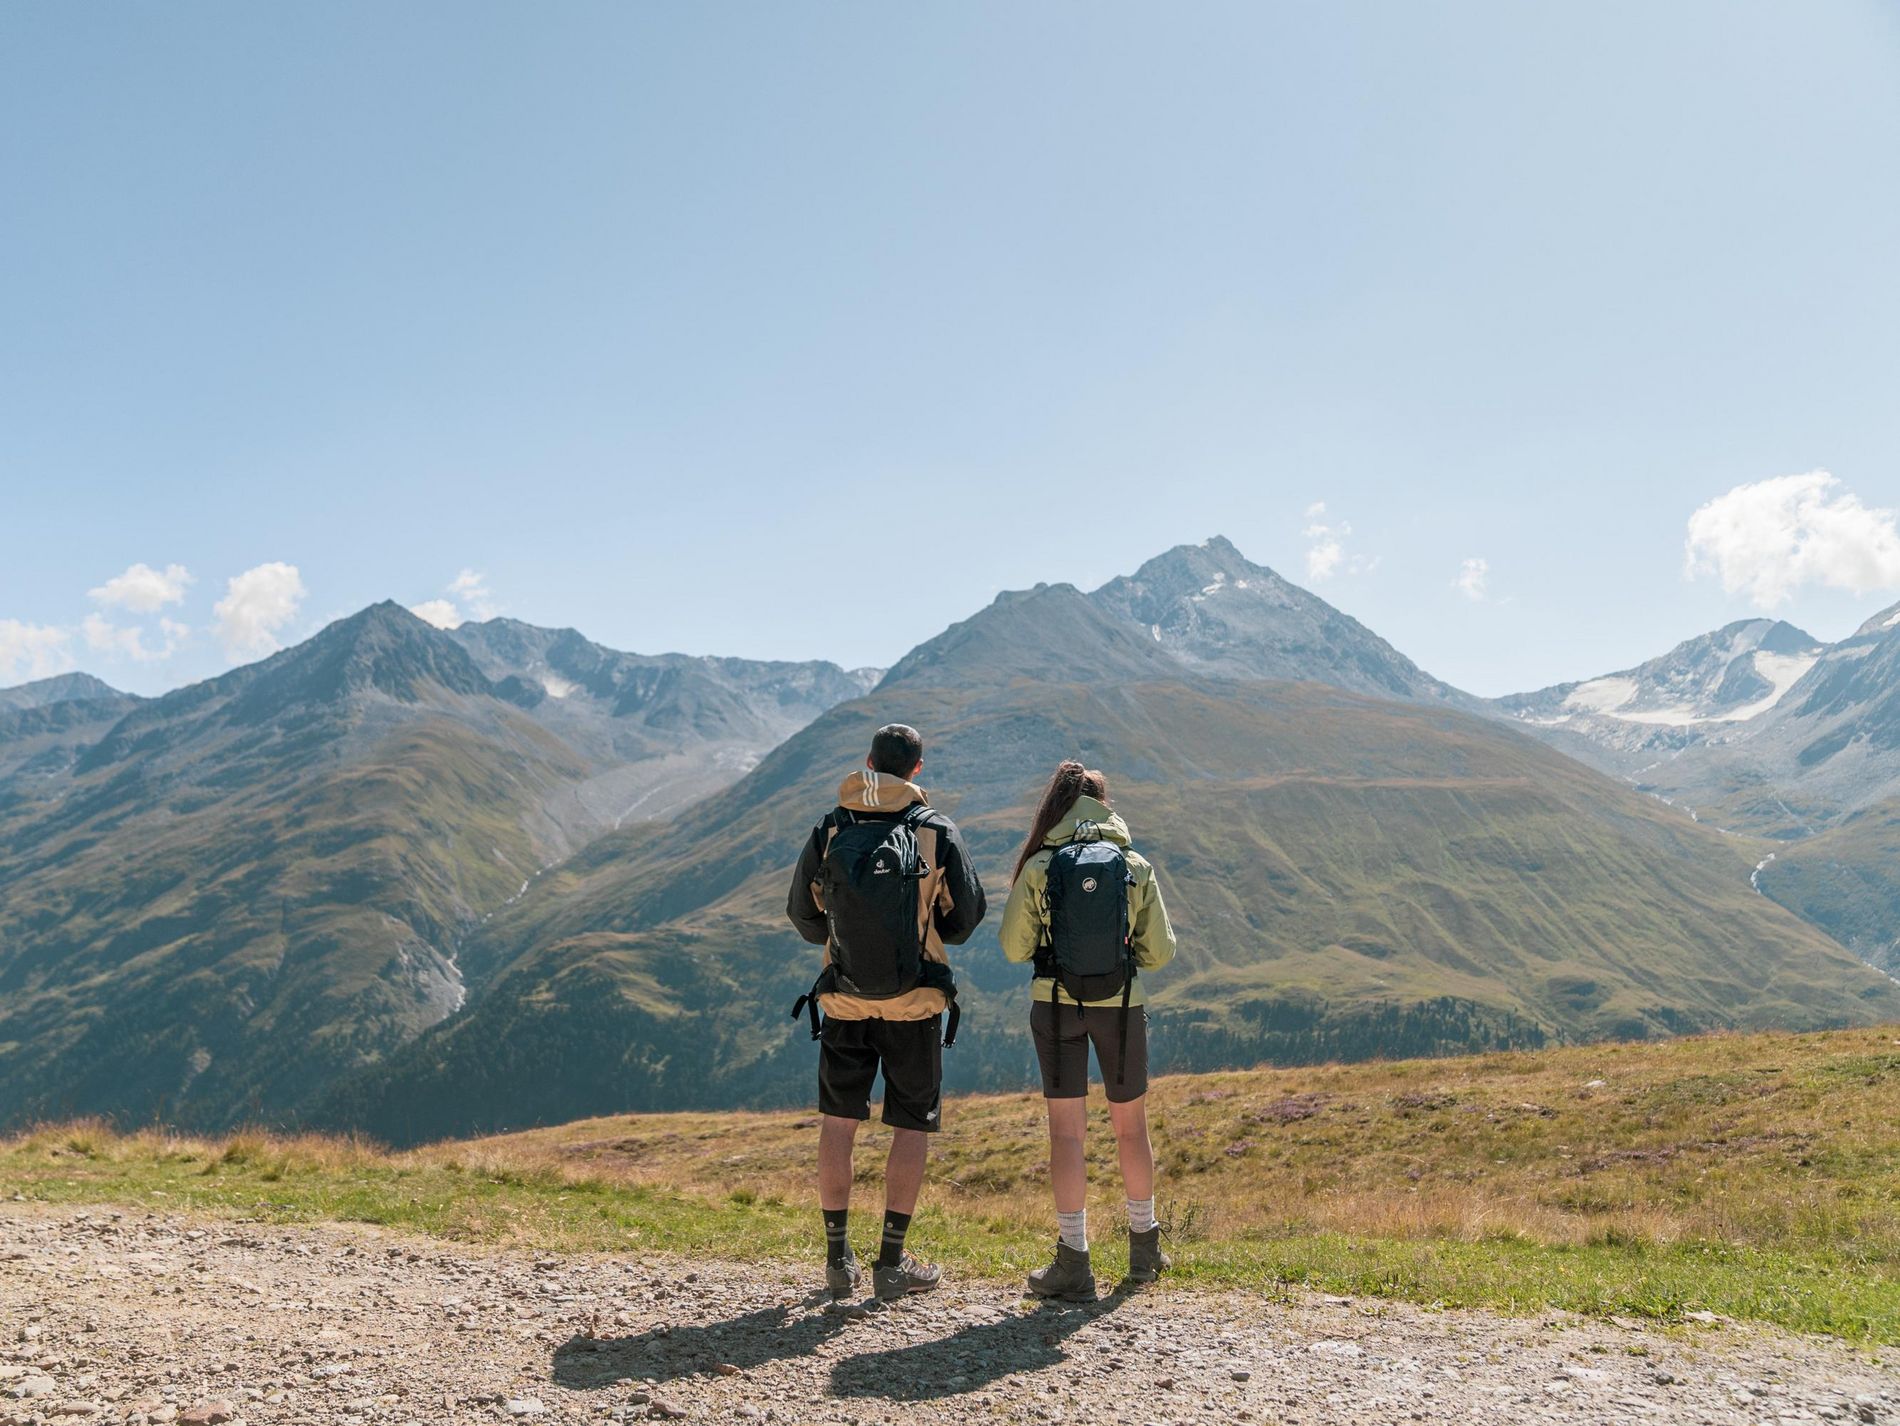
[1051,631]
[61,688]
[1881,625]
[1216,611]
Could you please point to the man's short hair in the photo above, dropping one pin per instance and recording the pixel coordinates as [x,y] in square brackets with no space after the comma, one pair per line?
[896,749]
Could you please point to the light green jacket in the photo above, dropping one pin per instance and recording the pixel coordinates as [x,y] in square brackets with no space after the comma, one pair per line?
[1026,915]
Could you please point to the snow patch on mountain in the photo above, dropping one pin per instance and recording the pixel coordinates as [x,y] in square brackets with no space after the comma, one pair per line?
[1724,678]
[1602,695]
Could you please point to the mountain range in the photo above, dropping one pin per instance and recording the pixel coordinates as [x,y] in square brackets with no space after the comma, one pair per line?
[1760,728]
[423,882]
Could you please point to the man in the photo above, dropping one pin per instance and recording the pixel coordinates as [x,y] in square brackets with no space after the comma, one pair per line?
[883,884]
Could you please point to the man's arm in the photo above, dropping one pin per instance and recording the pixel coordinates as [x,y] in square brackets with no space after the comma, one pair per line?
[801,906]
[960,902]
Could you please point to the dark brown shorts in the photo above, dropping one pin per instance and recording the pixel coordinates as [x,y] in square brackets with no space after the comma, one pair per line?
[1063,1034]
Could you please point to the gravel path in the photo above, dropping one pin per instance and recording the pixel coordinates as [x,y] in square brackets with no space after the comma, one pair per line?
[144,1319]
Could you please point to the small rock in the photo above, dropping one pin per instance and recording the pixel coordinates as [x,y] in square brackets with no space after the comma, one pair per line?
[665,1410]
[1331,1348]
[727,1369]
[208,1413]
[1241,1374]
[523,1406]
[34,1386]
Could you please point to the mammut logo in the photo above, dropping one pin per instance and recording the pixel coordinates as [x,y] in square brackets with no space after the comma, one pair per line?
[1088,883]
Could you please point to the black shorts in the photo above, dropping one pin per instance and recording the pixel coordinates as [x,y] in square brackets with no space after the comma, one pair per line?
[911,1052]
[1063,1034]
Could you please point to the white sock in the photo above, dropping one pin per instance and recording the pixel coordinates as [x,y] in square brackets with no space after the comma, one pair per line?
[1141,1214]
[1074,1228]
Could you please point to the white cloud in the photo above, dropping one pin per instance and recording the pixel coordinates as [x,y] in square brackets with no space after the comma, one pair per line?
[1323,557]
[1473,574]
[470,590]
[256,605]
[469,598]
[142,589]
[120,641]
[30,651]
[1326,553]
[440,612]
[1773,537]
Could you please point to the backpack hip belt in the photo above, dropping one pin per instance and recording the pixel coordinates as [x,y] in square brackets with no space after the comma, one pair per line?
[936,976]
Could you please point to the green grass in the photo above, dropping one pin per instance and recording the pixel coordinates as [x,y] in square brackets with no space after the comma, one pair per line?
[1755,1177]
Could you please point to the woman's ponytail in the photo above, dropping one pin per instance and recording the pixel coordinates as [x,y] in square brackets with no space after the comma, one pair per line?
[1071,781]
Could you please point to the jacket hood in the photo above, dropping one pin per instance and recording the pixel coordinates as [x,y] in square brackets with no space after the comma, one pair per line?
[1087,809]
[867,791]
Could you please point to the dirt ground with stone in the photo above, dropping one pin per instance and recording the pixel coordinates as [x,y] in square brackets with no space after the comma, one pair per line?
[131,1317]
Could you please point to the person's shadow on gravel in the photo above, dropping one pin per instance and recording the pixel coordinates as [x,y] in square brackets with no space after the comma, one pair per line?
[969,1359]
[669,1353]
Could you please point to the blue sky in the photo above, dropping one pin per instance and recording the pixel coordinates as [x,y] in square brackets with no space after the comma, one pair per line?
[689,325]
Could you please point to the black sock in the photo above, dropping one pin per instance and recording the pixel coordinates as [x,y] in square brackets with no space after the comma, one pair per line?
[837,1246]
[896,1225]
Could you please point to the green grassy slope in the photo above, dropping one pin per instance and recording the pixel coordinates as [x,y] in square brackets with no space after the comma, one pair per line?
[226,963]
[1846,880]
[1349,877]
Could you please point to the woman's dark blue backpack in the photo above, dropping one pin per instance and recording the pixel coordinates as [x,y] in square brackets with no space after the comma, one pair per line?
[1087,949]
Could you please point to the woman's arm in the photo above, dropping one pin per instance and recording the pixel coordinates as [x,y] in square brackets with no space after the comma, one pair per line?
[1153,936]
[1022,915]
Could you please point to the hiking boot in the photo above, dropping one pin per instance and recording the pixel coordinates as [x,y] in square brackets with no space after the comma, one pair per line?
[1069,1277]
[912,1274]
[843,1279]
[1146,1261]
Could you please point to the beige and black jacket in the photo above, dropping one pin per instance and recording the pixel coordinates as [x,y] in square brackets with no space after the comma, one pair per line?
[950,900]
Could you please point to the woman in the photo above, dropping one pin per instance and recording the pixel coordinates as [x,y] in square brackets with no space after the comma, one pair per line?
[1085,909]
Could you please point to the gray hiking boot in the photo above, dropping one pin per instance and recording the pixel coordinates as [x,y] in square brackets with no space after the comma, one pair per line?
[1146,1261]
[1069,1277]
[912,1274]
[844,1278]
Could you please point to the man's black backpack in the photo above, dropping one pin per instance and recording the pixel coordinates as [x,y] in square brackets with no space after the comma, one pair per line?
[868,884]
[1087,948]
